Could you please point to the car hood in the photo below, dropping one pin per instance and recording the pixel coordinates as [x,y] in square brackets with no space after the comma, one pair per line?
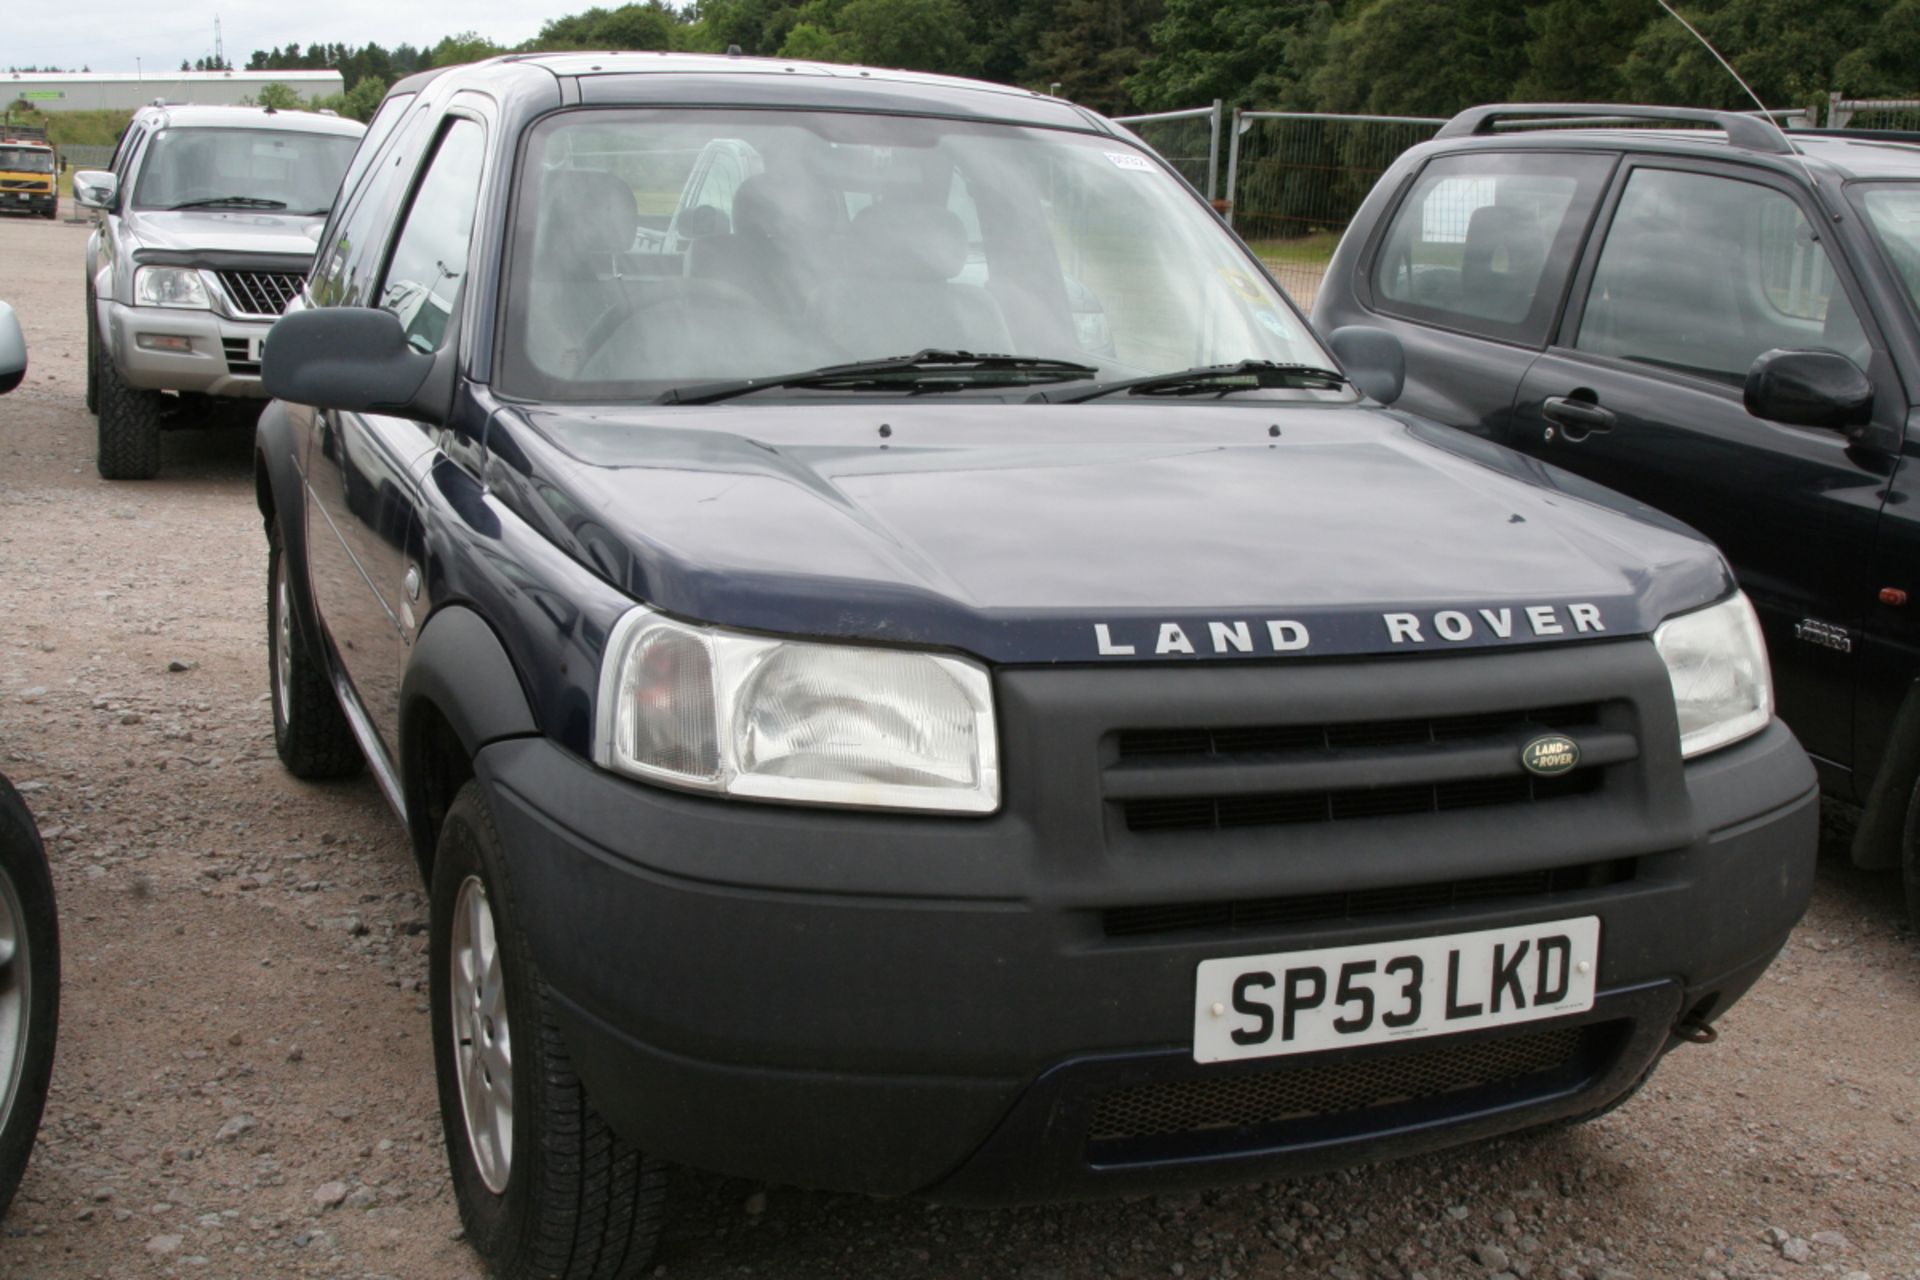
[189,231]
[1096,532]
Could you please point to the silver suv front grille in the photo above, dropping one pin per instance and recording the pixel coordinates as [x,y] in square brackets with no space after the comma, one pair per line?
[260,293]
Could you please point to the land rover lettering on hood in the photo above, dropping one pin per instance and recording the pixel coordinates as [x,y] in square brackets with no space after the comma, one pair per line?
[909,667]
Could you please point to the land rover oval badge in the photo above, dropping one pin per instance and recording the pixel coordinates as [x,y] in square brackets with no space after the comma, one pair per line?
[1551,755]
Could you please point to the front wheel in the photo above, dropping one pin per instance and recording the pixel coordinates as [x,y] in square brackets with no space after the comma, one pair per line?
[129,427]
[545,1188]
[29,986]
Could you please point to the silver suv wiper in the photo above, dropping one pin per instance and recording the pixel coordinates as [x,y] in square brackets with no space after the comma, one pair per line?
[237,202]
[1215,379]
[940,370]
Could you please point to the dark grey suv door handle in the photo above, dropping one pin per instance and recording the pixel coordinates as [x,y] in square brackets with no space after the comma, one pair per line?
[1581,418]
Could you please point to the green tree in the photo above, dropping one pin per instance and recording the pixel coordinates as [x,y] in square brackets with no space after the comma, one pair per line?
[1093,47]
[1422,57]
[814,43]
[467,46]
[923,35]
[1576,49]
[281,97]
[1243,51]
[1791,51]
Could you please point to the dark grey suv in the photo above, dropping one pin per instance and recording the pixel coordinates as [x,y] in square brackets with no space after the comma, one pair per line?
[209,218]
[1720,321]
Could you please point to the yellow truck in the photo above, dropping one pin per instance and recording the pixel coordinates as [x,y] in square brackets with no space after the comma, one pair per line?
[27,172]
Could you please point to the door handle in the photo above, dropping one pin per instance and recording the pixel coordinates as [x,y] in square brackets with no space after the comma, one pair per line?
[1580,418]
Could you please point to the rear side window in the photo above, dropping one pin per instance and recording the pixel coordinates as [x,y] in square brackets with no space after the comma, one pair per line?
[1484,242]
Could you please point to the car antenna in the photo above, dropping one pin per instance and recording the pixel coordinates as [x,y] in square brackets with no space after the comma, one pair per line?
[1764,113]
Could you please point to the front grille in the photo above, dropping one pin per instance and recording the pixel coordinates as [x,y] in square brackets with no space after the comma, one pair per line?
[260,293]
[1258,914]
[1222,1104]
[1185,778]
[25,184]
[237,361]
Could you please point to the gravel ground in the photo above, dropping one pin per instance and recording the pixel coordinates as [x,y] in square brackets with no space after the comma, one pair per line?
[245,1087]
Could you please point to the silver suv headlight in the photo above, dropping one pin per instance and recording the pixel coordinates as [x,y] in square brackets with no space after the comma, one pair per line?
[170,287]
[793,720]
[1717,661]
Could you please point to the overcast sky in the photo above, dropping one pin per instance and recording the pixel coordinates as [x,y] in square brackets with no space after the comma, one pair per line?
[107,35]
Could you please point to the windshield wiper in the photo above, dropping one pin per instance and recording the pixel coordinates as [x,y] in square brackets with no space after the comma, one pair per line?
[1216,379]
[939,370]
[237,202]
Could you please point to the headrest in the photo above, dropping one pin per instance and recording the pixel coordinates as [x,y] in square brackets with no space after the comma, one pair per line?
[908,240]
[756,208]
[587,211]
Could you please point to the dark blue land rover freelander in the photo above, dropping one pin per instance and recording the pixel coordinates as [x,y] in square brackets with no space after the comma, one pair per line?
[911,668]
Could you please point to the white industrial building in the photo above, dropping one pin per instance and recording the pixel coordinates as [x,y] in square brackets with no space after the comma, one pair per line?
[125,90]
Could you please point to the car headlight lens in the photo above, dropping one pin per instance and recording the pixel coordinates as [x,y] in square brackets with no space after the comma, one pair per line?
[1717,660]
[794,720]
[170,287]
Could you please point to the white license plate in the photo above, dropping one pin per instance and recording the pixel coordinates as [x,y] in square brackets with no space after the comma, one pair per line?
[254,347]
[1339,997]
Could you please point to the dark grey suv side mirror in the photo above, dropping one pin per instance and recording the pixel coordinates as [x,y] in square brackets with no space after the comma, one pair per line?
[1809,389]
[352,358]
[13,350]
[1373,358]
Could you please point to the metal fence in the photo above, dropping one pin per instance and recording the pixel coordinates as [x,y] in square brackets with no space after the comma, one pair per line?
[1188,140]
[1296,180]
[1894,114]
[85,157]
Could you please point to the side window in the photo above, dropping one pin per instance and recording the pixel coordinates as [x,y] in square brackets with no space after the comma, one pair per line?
[1702,274]
[1484,242]
[430,258]
[343,274]
[384,121]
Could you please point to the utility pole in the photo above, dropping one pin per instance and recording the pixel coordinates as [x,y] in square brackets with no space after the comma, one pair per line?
[219,51]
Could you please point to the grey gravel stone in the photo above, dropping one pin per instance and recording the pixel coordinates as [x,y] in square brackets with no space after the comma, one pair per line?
[328,1195]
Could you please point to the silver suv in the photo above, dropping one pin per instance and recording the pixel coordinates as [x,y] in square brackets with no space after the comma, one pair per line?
[209,220]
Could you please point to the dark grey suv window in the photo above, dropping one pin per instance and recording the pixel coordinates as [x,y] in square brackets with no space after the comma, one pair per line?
[1702,274]
[1484,242]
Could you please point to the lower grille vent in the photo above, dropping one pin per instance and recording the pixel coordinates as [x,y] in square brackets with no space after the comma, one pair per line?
[237,361]
[1268,913]
[1274,1097]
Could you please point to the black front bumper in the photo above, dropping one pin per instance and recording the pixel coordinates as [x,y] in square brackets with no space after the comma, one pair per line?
[901,1004]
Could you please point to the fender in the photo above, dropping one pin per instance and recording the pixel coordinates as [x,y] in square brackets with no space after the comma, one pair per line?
[459,666]
[1889,812]
[280,493]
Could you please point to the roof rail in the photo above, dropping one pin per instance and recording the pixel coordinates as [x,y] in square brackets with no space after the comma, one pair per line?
[1750,133]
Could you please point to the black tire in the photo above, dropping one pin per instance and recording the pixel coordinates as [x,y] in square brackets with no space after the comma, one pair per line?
[577,1201]
[1910,859]
[310,732]
[129,427]
[53,211]
[27,910]
[93,351]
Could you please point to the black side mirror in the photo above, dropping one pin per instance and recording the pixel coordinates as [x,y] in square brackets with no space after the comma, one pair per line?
[1809,389]
[352,358]
[13,350]
[1373,358]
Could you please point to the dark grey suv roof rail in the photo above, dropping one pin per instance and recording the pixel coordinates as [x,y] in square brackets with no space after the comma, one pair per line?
[1750,133]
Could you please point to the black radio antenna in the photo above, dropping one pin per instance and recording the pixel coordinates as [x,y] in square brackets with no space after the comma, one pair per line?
[1764,113]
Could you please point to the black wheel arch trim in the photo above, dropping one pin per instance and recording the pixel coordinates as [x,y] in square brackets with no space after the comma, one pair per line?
[459,665]
[279,492]
[1892,805]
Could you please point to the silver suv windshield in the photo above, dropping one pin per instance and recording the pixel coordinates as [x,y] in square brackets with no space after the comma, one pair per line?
[654,249]
[270,169]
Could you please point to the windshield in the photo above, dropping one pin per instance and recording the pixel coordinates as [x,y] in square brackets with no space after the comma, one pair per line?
[26,160]
[1893,211]
[252,168]
[654,249]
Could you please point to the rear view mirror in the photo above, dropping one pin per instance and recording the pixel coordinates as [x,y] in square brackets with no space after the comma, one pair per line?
[1809,389]
[96,188]
[13,350]
[351,358]
[1373,358]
